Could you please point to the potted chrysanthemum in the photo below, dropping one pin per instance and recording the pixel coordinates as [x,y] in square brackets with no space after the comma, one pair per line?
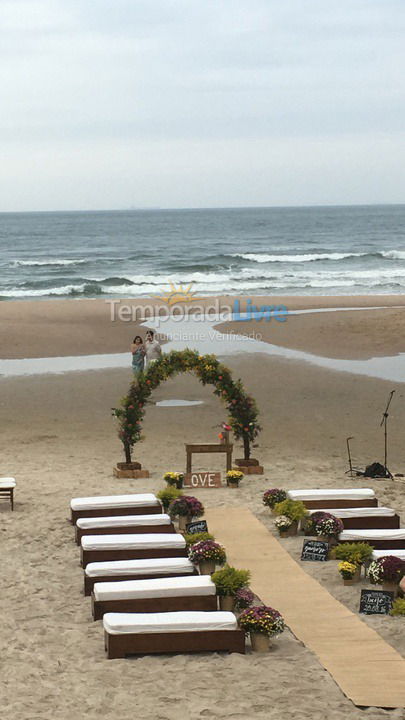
[228,581]
[185,508]
[193,538]
[167,495]
[233,478]
[293,509]
[174,478]
[349,571]
[272,497]
[284,525]
[243,598]
[262,623]
[328,527]
[358,554]
[387,571]
[312,519]
[207,554]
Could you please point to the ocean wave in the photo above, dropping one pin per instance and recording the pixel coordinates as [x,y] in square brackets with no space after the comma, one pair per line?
[315,257]
[393,254]
[242,281]
[85,289]
[45,263]
[161,283]
[307,257]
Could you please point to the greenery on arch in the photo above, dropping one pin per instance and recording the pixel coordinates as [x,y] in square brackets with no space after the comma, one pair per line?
[242,408]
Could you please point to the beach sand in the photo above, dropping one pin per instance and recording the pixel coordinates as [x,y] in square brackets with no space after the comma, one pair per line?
[59,440]
[88,327]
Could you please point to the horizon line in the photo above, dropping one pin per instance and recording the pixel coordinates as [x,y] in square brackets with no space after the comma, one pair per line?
[154,208]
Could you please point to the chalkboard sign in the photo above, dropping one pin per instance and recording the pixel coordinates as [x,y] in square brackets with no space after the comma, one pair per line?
[198,526]
[376,602]
[315,550]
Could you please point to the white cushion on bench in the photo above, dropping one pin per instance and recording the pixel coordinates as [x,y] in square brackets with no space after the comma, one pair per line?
[162,587]
[331,494]
[170,622]
[373,534]
[396,552]
[106,501]
[357,512]
[123,521]
[146,541]
[7,483]
[149,566]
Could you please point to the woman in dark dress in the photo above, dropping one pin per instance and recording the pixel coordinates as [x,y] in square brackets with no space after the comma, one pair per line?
[138,355]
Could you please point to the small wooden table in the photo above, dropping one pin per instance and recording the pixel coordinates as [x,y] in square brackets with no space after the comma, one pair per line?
[209,448]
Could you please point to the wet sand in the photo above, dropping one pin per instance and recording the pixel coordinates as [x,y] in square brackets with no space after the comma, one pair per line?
[86,327]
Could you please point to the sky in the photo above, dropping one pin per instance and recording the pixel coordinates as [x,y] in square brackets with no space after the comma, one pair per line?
[201,103]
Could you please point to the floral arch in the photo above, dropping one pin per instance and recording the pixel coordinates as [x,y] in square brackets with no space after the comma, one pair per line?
[241,407]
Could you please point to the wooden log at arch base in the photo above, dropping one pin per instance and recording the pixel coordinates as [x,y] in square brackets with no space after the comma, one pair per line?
[249,467]
[130,470]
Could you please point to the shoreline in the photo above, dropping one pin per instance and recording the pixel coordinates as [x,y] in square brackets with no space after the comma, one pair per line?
[66,328]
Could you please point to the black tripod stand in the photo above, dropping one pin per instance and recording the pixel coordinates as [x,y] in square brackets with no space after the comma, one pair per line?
[384,422]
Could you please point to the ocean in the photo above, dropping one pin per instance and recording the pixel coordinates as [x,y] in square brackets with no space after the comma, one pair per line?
[138,253]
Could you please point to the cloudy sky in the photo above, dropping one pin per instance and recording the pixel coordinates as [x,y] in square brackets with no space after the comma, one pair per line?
[201,103]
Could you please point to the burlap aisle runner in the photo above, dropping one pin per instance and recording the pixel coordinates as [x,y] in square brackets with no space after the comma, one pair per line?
[368,670]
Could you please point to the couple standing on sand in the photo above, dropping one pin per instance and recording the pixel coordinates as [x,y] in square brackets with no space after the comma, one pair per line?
[144,354]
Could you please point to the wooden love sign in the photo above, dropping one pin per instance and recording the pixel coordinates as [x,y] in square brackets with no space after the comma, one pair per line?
[204,479]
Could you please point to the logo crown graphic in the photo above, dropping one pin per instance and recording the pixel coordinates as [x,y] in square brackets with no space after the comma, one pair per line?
[177,294]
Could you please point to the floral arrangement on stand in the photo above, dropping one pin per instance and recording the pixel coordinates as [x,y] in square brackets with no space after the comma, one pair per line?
[327,527]
[224,434]
[283,525]
[167,495]
[175,479]
[387,571]
[242,408]
[261,622]
[273,496]
[244,598]
[349,571]
[185,508]
[228,581]
[207,554]
[295,510]
[233,478]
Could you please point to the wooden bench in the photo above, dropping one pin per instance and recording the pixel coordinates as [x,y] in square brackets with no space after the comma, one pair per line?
[380,518]
[143,569]
[379,539]
[103,548]
[324,498]
[123,525]
[173,632]
[7,487]
[196,592]
[102,506]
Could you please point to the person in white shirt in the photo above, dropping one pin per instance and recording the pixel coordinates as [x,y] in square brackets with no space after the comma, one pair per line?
[153,351]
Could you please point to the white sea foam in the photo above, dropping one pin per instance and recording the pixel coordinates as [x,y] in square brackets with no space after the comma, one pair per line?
[43,292]
[308,257]
[45,263]
[394,254]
